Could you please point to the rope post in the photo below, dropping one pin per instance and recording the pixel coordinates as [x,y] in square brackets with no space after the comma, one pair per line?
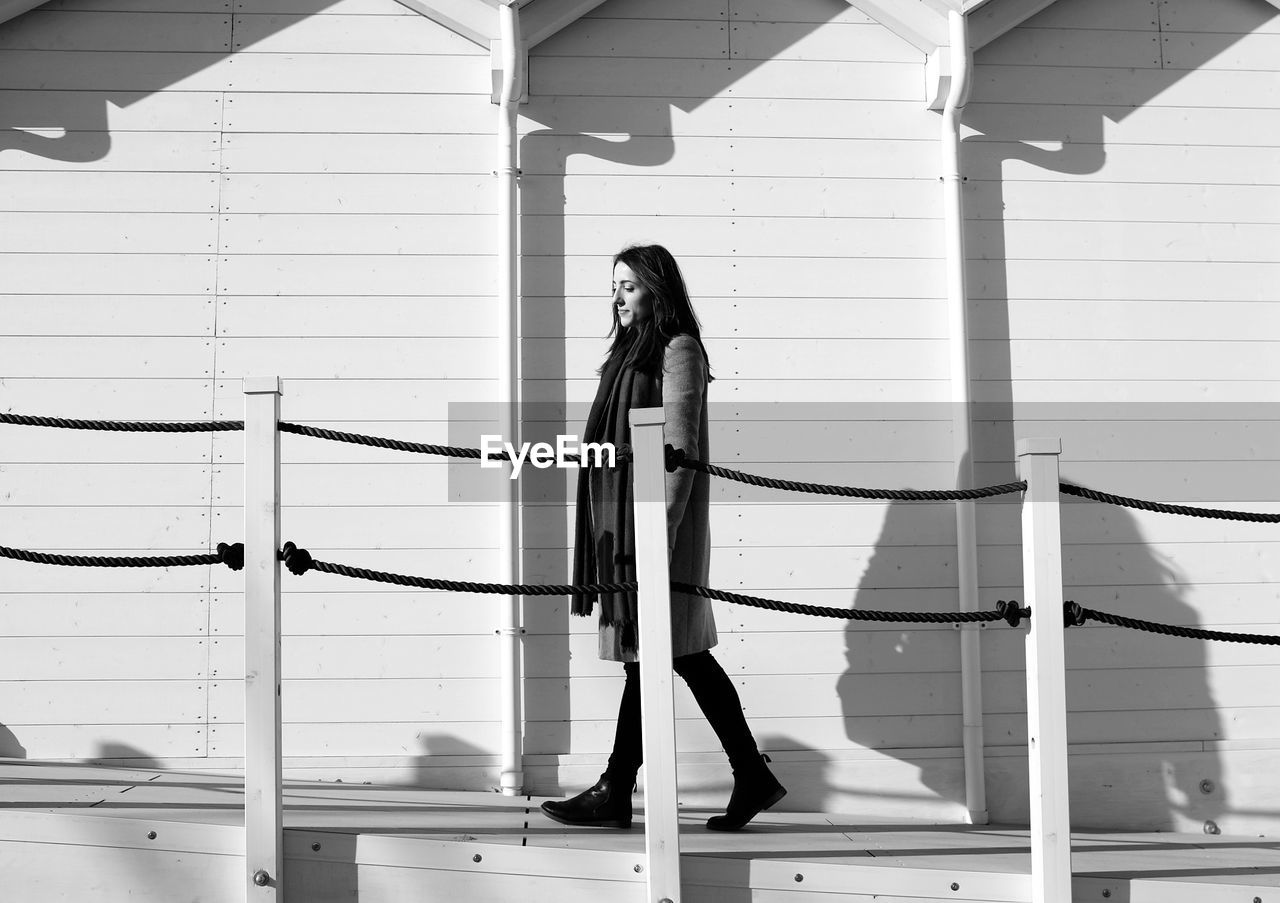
[263,815]
[661,819]
[1046,673]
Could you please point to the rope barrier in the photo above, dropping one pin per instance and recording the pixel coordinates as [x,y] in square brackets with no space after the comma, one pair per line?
[1075,615]
[232,555]
[1163,508]
[299,561]
[124,426]
[677,458]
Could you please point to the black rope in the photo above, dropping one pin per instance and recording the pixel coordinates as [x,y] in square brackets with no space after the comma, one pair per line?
[677,458]
[232,555]
[1163,508]
[299,561]
[124,426]
[1075,615]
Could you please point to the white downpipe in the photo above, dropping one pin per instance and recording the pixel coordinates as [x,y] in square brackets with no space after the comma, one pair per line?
[512,779]
[962,432]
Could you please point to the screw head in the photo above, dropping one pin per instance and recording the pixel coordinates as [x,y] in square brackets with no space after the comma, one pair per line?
[799,878]
[955,885]
[151,835]
[476,858]
[261,878]
[1207,786]
[1106,893]
[638,868]
[315,847]
[1211,827]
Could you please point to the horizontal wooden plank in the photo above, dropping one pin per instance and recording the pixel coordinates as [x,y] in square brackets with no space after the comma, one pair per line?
[414,703]
[96,274]
[1124,360]
[358,613]
[110,233]
[109,192]
[353,233]
[709,10]
[360,399]
[1125,163]
[1096,201]
[685,81]
[27,659]
[139,32]
[852,41]
[187,6]
[1095,14]
[766,11]
[1124,89]
[388,113]
[103,702]
[1235,18]
[104,614]
[429,738]
[650,36]
[1171,280]
[1224,392]
[107,485]
[120,70]
[108,315]
[128,741]
[1174,127]
[438,358]
[354,193]
[356,667]
[86,110]
[366,316]
[347,275]
[1151,320]
[101,151]
[1076,47]
[149,530]
[351,33]
[1214,50]
[779,117]
[251,152]
[324,8]
[360,73]
[819,236]
[1210,242]
[171,357]
[39,446]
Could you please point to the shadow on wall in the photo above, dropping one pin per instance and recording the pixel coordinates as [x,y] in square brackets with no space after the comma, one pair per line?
[10,747]
[126,756]
[46,110]
[571,125]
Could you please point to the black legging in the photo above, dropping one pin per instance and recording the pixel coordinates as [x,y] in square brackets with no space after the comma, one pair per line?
[715,695]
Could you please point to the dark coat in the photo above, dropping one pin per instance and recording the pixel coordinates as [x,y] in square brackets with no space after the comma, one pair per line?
[684,402]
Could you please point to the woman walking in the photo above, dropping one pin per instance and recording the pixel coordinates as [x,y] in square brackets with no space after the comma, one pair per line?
[657,358]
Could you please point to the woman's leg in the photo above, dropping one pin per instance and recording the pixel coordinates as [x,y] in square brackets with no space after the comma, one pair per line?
[754,786]
[628,750]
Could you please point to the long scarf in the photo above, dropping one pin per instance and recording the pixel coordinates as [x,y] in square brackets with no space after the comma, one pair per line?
[604,548]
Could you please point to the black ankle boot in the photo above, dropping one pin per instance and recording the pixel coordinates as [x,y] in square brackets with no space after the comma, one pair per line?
[754,790]
[606,805]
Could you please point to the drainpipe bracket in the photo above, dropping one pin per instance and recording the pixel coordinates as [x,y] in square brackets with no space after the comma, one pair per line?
[496,72]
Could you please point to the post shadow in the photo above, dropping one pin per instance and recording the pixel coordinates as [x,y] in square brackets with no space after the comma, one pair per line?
[10,746]
[567,129]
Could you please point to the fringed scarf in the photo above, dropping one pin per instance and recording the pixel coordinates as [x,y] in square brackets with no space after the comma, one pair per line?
[604,549]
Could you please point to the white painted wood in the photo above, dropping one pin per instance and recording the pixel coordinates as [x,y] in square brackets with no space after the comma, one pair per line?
[190,152]
[1046,683]
[470,20]
[382,193]
[99,702]
[914,23]
[183,32]
[1129,202]
[381,233]
[264,826]
[992,20]
[272,111]
[661,828]
[153,742]
[90,274]
[636,38]
[1149,88]
[360,73]
[833,41]
[106,315]
[111,233]
[355,153]
[85,658]
[104,614]
[308,34]
[346,275]
[432,357]
[109,192]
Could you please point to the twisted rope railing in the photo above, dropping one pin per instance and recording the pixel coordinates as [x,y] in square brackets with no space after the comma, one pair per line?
[125,426]
[299,561]
[1163,508]
[230,554]
[1075,615]
[677,458]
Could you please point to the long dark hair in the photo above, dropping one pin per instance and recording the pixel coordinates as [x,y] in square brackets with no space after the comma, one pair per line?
[671,312]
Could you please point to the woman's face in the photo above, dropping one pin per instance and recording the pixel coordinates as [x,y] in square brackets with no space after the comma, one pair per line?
[632,300]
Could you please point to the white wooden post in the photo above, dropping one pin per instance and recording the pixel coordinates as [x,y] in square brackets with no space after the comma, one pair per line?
[661,819]
[1046,673]
[263,819]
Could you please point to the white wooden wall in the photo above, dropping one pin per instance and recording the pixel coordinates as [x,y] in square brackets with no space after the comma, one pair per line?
[320,205]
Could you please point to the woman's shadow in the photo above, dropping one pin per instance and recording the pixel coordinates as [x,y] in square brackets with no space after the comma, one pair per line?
[1138,693]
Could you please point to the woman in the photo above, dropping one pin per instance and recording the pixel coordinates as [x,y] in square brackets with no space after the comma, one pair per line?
[657,357]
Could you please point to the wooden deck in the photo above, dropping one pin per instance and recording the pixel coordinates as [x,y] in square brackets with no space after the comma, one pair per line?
[85,833]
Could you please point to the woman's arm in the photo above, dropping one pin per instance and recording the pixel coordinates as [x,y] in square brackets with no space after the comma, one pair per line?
[684,381]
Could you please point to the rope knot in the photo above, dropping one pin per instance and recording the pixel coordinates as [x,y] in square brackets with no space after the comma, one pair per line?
[674,457]
[297,560]
[1012,612]
[232,555]
[1073,614]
